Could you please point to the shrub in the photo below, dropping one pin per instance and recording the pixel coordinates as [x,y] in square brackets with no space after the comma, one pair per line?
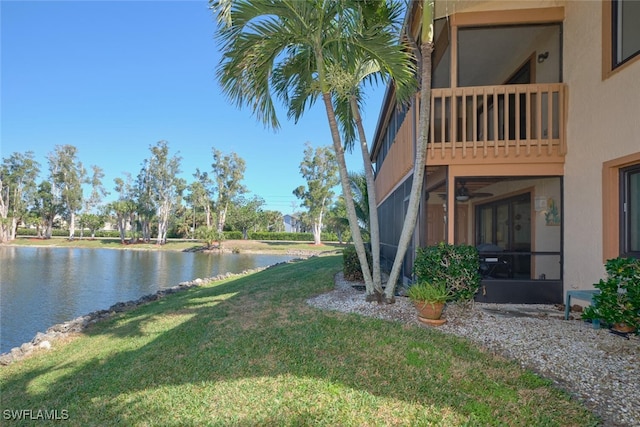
[351,267]
[270,235]
[232,235]
[619,298]
[455,265]
[295,237]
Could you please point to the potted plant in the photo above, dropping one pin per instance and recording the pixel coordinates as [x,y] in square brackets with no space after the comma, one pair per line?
[455,265]
[618,303]
[429,299]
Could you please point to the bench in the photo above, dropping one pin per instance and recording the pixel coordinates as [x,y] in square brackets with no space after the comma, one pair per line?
[586,295]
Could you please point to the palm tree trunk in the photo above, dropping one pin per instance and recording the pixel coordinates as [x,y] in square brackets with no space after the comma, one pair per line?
[374,228]
[348,197]
[408,226]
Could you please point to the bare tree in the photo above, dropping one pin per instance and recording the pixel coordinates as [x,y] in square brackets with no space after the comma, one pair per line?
[228,172]
[320,170]
[67,176]
[18,174]
[163,185]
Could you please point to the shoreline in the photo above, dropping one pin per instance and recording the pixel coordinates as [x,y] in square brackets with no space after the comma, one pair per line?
[275,247]
[43,340]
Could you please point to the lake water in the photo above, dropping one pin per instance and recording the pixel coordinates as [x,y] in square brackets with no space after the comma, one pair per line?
[40,287]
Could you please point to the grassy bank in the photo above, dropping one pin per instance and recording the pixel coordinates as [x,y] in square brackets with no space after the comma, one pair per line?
[176,245]
[250,351]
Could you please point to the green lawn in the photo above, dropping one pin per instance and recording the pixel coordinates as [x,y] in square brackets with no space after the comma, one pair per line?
[249,351]
[177,244]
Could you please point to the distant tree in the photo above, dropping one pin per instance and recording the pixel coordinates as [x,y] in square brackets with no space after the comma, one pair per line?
[67,176]
[180,222]
[46,209]
[182,228]
[228,172]
[271,221]
[164,186]
[144,202]
[304,222]
[337,220]
[122,211]
[98,192]
[244,214]
[92,221]
[210,235]
[32,219]
[124,208]
[201,194]
[18,174]
[320,170]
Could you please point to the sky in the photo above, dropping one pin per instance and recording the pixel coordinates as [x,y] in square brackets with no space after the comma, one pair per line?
[113,78]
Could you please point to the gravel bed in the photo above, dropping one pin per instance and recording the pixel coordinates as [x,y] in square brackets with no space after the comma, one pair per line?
[599,368]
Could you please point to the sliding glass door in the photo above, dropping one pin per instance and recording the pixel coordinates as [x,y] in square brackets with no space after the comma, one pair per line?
[503,236]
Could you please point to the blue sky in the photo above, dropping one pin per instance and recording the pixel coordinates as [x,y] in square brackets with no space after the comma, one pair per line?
[115,77]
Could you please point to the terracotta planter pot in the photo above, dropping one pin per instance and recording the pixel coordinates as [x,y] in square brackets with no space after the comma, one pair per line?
[623,327]
[428,310]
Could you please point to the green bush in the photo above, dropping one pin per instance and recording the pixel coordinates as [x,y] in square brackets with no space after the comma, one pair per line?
[351,264]
[455,265]
[26,232]
[270,235]
[619,298]
[232,235]
[56,232]
[105,233]
[295,237]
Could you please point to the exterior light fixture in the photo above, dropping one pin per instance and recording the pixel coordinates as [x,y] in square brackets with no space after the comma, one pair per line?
[542,57]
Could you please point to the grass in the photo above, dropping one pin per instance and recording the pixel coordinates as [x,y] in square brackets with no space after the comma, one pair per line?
[249,351]
[176,244]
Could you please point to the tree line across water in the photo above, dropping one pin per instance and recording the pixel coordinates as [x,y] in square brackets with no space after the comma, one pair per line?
[156,203]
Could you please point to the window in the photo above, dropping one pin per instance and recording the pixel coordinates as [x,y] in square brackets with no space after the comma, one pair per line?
[621,34]
[625,30]
[630,211]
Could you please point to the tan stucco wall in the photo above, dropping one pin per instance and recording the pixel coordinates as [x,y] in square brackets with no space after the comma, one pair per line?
[449,7]
[603,124]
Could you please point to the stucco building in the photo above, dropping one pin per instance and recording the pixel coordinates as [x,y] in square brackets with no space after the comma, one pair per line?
[534,143]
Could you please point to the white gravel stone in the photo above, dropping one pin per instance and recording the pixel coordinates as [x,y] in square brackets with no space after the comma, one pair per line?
[599,368]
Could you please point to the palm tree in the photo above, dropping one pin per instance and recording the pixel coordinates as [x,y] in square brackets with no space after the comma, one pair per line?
[297,52]
[368,65]
[426,49]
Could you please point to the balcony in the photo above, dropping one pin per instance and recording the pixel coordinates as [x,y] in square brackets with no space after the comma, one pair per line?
[497,122]
[508,124]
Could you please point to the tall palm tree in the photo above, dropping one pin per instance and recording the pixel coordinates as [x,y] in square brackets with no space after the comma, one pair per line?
[296,52]
[426,49]
[367,66]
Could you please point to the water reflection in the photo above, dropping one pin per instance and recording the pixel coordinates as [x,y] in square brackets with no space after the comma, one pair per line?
[40,287]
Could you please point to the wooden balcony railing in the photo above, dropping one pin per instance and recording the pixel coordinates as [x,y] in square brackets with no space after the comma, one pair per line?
[497,123]
[498,120]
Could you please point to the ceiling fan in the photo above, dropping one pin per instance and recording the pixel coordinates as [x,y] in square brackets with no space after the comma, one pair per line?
[463,194]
